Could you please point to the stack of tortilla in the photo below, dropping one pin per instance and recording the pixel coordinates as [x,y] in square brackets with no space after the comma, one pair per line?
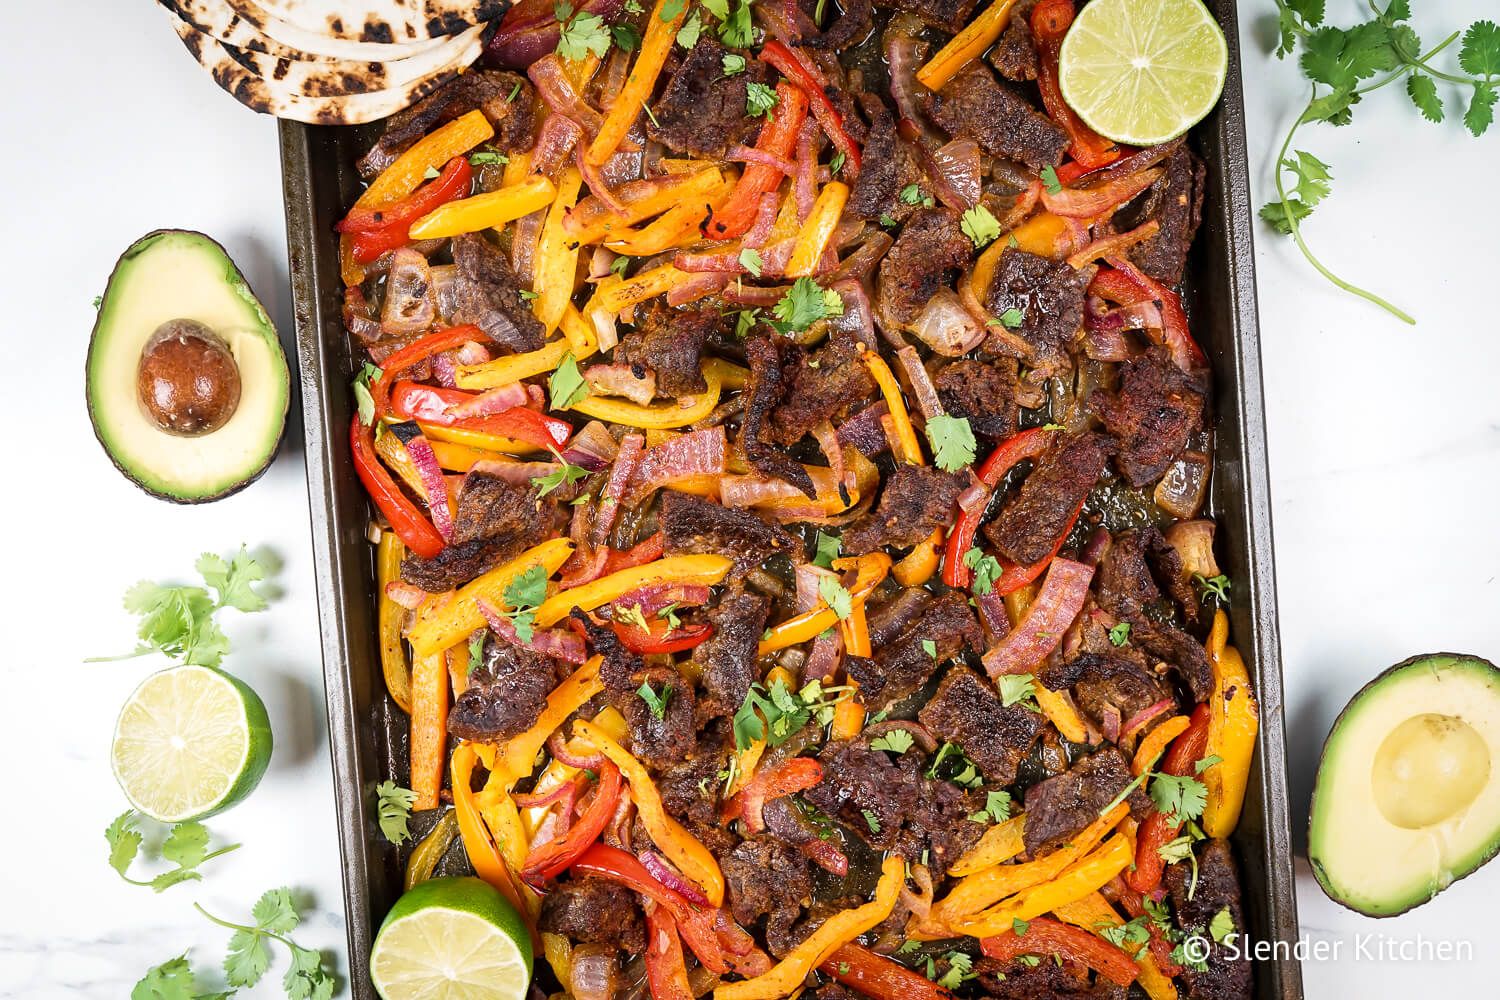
[333,62]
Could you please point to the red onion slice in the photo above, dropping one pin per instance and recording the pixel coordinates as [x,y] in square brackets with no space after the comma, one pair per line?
[631,448]
[425,462]
[668,876]
[921,382]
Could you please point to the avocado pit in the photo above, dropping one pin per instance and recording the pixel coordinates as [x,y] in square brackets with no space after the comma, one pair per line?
[1429,768]
[187,380]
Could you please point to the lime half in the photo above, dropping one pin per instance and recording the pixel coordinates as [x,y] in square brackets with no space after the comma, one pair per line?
[1143,71]
[452,939]
[190,742]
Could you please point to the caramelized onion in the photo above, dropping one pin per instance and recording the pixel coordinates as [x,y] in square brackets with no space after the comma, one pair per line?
[946,326]
[410,305]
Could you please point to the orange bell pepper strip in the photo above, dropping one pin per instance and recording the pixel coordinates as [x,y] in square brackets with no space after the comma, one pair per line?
[488,210]
[895,402]
[786,976]
[591,221]
[806,626]
[1088,875]
[517,757]
[708,570]
[1233,722]
[919,565]
[966,46]
[1155,743]
[480,846]
[681,847]
[674,229]
[999,844]
[644,286]
[460,616]
[556,258]
[429,723]
[817,231]
[1045,936]
[661,31]
[778,136]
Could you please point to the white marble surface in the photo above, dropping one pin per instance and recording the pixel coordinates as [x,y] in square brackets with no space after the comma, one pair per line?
[1385,459]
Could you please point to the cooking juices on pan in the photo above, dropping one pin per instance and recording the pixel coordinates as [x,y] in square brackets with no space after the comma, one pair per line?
[790,455]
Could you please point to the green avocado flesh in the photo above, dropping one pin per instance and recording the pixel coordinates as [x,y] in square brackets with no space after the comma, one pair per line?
[1407,798]
[180,275]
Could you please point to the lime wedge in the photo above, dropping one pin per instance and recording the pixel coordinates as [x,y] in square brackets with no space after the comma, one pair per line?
[190,742]
[1143,71]
[452,939]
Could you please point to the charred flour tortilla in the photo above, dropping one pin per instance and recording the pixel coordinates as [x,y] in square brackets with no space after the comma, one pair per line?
[387,21]
[241,24]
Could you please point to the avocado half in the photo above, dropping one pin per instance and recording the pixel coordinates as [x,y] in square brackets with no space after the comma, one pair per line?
[1407,799]
[175,274]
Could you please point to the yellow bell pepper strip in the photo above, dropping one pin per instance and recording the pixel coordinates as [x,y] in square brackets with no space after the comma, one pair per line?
[592,222]
[476,439]
[999,844]
[806,626]
[1044,234]
[966,46]
[461,615]
[849,714]
[556,258]
[1094,914]
[674,229]
[393,453]
[513,367]
[503,820]
[655,47]
[579,334]
[919,565]
[425,856]
[906,435]
[1057,706]
[644,286]
[707,570]
[480,846]
[393,665]
[1155,743]
[680,847]
[817,231]
[559,954]
[786,976]
[429,722]
[461,458]
[580,71]
[1087,876]
[1233,721]
[408,171]
[676,413]
[490,210]
[972,894]
[517,167]
[517,756]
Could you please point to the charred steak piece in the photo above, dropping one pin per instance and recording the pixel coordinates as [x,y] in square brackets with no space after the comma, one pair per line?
[507,691]
[932,244]
[1030,525]
[916,499]
[768,878]
[728,658]
[890,164]
[669,343]
[1157,406]
[702,111]
[981,392]
[1175,201]
[903,665]
[1014,56]
[974,105]
[1048,294]
[488,294]
[594,911]
[495,520]
[1217,888]
[824,385]
[1060,807]
[945,15]
[692,525]
[966,712]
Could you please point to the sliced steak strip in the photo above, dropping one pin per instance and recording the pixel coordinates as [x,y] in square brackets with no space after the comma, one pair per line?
[1014,56]
[974,105]
[1175,201]
[594,911]
[1020,980]
[945,15]
[694,525]
[514,118]
[768,878]
[1030,525]
[824,385]
[966,712]
[669,343]
[982,392]
[1157,406]
[702,111]
[659,741]
[931,245]
[728,658]
[1217,888]
[493,522]
[1060,807]
[488,294]
[507,691]
[889,164]
[915,500]
[903,665]
[1048,294]
[772,363]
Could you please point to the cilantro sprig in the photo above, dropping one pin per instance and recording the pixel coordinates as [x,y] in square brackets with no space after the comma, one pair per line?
[249,956]
[580,33]
[1344,65]
[173,980]
[186,847]
[179,621]
[393,810]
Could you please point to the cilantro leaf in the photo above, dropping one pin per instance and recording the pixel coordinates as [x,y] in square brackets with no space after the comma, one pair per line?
[364,402]
[1480,52]
[248,958]
[1015,687]
[835,596]
[274,911]
[566,473]
[524,595]
[737,32]
[1481,113]
[952,441]
[718,8]
[628,37]
[476,651]
[172,980]
[393,810]
[1132,932]
[1423,93]
[187,844]
[996,808]
[487,158]
[913,194]
[232,581]
[581,33]
[733,63]
[1119,635]
[836,164]
[828,548]
[896,741]
[566,385]
[987,570]
[671,9]
[980,225]
[124,841]
[687,35]
[804,304]
[1221,927]
[1214,587]
[871,820]
[1012,318]
[1207,762]
[657,703]
[1179,798]
[1050,181]
[930,648]
[751,261]
[960,970]
[249,953]
[760,99]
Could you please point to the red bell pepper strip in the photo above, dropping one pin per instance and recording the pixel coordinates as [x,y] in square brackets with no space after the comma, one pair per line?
[880,977]
[778,136]
[646,550]
[1174,326]
[1030,443]
[417,351]
[695,924]
[407,521]
[551,860]
[434,405]
[1159,829]
[451,183]
[791,66]
[671,640]
[796,775]
[370,246]
[1046,937]
[1160,947]
[666,969]
[1050,20]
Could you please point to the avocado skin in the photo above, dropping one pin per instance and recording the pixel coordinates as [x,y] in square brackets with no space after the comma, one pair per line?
[134,250]
[1484,856]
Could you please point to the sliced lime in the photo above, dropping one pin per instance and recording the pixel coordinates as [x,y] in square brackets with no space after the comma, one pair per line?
[1143,71]
[190,742]
[452,939]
